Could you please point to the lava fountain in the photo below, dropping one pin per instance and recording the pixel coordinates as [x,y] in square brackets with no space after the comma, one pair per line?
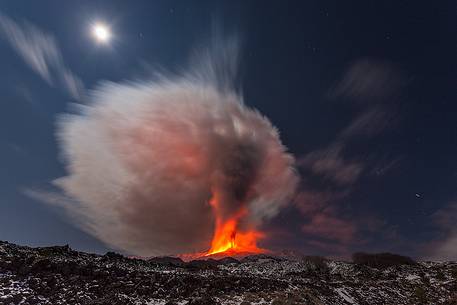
[228,239]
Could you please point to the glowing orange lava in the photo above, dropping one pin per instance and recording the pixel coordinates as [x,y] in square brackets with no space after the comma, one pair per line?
[227,236]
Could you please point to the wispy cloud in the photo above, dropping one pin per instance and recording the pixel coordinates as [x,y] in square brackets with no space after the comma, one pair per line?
[385,165]
[372,85]
[326,225]
[370,123]
[332,227]
[374,82]
[39,50]
[446,247]
[330,164]
[73,85]
[370,80]
[324,221]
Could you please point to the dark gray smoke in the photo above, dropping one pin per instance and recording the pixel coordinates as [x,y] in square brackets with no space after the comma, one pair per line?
[145,157]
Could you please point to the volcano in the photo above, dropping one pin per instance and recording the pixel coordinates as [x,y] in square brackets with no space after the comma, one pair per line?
[60,275]
[228,238]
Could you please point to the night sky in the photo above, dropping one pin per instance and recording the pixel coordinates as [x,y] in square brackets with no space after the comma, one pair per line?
[362,92]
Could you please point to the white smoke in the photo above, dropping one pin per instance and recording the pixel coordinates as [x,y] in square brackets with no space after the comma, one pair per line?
[144,158]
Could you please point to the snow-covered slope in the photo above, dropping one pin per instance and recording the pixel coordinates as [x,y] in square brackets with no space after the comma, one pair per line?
[59,275]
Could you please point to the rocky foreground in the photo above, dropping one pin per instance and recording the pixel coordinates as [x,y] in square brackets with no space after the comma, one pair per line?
[59,275]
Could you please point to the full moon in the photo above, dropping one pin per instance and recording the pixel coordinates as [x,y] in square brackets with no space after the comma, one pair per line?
[101,32]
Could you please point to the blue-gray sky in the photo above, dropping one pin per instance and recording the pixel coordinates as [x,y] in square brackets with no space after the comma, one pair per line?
[363,95]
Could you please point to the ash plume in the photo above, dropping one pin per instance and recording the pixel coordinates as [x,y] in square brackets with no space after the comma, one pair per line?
[144,158]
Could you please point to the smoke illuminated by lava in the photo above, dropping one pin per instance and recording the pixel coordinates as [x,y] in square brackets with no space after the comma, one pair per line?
[175,165]
[227,236]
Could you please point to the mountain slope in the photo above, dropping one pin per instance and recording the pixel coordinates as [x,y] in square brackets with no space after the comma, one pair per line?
[59,275]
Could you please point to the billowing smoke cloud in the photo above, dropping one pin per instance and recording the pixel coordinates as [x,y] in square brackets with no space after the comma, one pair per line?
[144,158]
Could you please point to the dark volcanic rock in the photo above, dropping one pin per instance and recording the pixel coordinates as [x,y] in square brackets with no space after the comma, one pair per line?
[228,260]
[203,301]
[202,264]
[59,275]
[167,260]
[113,255]
[260,257]
[381,260]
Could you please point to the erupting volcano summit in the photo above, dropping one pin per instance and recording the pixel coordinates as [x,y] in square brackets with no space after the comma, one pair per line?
[175,165]
[227,239]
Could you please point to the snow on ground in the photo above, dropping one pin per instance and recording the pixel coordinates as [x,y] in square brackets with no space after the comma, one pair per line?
[59,275]
[345,295]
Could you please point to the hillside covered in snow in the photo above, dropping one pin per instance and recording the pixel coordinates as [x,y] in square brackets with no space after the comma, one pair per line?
[59,275]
